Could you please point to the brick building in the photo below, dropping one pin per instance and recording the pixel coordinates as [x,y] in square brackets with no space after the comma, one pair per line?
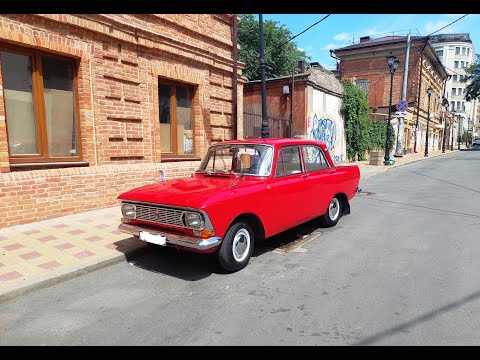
[366,64]
[92,105]
[312,103]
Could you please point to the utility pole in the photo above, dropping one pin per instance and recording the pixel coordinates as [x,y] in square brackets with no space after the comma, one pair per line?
[399,149]
[444,112]
[419,90]
[265,133]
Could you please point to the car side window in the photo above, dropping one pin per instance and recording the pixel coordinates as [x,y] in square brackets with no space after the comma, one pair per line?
[289,161]
[314,158]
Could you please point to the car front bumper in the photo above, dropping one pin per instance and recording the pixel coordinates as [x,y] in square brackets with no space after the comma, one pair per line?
[173,239]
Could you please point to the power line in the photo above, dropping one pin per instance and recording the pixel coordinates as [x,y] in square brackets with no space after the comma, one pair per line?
[293,37]
[453,22]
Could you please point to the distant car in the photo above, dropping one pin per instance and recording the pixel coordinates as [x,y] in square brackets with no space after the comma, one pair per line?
[476,142]
[244,190]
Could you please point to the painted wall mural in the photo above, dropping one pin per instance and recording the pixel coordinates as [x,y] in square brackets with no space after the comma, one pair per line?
[324,129]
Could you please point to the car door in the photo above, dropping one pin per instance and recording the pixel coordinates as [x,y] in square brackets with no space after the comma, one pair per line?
[288,192]
[318,180]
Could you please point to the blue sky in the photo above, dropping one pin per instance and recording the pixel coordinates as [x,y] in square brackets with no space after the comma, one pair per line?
[339,30]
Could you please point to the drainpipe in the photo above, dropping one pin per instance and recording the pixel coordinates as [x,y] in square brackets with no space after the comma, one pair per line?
[234,78]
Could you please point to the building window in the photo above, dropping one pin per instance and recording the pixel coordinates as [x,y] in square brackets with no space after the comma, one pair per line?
[457,50]
[454,77]
[176,118]
[439,53]
[454,91]
[458,105]
[363,85]
[464,51]
[41,106]
[468,51]
[466,64]
[460,91]
[463,105]
[452,105]
[456,64]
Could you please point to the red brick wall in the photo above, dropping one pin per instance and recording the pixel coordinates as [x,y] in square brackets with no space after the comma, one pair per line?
[278,104]
[45,194]
[376,71]
[120,59]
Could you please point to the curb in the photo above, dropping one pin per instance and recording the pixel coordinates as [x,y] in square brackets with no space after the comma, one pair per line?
[50,280]
[385,168]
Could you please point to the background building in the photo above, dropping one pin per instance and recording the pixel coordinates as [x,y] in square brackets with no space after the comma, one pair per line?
[92,105]
[456,53]
[366,64]
[314,112]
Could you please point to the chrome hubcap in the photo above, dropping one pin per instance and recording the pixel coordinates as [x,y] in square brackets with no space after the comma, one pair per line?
[334,209]
[241,245]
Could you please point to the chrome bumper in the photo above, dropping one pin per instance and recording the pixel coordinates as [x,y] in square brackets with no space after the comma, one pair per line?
[174,239]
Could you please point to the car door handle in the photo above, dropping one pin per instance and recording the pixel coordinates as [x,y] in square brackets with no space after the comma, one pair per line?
[332,171]
[305,175]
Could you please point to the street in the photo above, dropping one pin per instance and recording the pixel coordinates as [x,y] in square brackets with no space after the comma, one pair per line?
[402,269]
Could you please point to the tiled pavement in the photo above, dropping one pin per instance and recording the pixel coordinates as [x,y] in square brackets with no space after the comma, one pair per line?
[42,254]
[31,255]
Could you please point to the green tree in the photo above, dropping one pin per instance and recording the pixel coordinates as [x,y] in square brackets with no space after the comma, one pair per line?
[472,90]
[279,60]
[355,112]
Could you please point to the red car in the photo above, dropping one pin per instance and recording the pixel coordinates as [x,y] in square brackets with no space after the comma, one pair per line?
[244,190]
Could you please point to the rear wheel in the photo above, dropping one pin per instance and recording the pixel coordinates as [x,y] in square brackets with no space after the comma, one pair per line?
[333,214]
[237,247]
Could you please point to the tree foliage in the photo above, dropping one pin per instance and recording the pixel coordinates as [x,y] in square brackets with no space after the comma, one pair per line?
[361,133]
[279,60]
[355,112]
[472,90]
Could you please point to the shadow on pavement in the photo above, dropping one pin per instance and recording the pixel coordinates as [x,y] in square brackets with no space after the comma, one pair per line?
[192,266]
[404,327]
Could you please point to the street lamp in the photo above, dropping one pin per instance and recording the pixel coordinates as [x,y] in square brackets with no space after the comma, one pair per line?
[429,92]
[393,64]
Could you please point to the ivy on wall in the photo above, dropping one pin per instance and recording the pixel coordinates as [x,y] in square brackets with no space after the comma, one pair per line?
[355,112]
[362,135]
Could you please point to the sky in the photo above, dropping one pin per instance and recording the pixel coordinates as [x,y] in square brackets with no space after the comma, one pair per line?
[340,30]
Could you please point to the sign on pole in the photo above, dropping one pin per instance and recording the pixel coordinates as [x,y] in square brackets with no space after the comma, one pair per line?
[402,105]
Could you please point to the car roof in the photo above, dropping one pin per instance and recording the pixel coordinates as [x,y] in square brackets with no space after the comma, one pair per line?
[273,141]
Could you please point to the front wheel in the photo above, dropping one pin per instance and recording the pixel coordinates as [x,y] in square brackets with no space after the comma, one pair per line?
[237,247]
[334,211]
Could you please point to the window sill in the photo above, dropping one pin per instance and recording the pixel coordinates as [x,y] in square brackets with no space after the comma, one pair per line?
[49,165]
[175,159]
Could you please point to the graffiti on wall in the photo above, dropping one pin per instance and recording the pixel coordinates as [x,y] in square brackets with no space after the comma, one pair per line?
[326,130]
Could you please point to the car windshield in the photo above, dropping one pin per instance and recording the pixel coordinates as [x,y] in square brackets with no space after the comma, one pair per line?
[251,159]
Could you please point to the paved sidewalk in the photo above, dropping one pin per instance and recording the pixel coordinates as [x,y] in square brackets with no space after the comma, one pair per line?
[45,253]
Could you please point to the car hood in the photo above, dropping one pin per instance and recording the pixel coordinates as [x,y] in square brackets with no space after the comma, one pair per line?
[192,192]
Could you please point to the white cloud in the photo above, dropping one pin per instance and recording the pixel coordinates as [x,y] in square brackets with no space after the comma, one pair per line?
[330,46]
[342,36]
[432,26]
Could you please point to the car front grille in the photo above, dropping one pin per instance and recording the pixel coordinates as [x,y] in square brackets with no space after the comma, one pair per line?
[160,215]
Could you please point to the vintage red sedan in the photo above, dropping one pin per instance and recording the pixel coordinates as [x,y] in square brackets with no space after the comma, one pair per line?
[244,190]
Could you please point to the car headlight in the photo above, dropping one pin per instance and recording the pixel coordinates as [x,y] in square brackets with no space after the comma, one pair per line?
[192,220]
[128,210]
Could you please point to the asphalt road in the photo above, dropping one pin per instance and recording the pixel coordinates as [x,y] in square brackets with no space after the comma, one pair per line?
[402,269]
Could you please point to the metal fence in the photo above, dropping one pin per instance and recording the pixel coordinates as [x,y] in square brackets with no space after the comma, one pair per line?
[252,125]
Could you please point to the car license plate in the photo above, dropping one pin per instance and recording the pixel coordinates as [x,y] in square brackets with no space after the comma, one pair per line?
[154,239]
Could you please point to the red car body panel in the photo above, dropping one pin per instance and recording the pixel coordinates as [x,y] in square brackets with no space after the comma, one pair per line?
[279,202]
